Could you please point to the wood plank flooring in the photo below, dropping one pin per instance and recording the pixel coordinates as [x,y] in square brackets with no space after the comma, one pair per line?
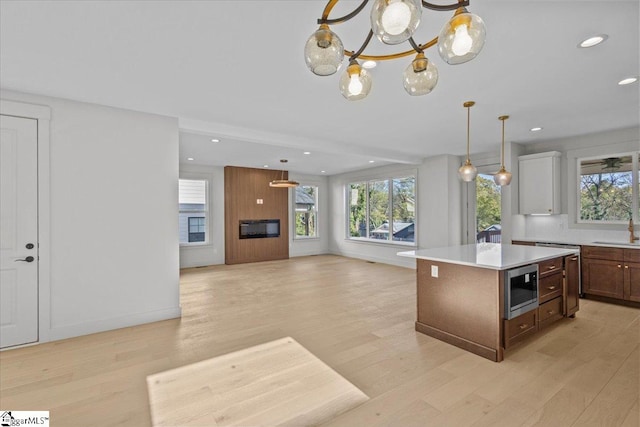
[275,383]
[358,318]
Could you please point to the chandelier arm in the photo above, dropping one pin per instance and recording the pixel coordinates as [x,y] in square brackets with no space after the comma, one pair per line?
[461,3]
[424,46]
[413,44]
[325,14]
[364,45]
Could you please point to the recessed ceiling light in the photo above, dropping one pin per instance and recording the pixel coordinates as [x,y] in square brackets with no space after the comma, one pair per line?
[215,140]
[323,171]
[190,158]
[307,152]
[536,129]
[372,161]
[628,81]
[369,64]
[593,41]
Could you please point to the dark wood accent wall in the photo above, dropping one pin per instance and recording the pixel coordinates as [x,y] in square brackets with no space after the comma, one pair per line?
[242,188]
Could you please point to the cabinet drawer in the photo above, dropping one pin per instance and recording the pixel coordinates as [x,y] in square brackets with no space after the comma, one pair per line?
[520,327]
[549,312]
[550,266]
[632,255]
[601,252]
[550,287]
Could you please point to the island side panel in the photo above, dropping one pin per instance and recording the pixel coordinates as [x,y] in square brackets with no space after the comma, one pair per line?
[462,306]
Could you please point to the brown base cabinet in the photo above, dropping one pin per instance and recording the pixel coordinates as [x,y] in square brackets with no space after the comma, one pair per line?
[611,272]
[558,297]
[572,285]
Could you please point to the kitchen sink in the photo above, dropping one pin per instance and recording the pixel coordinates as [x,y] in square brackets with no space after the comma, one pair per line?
[633,245]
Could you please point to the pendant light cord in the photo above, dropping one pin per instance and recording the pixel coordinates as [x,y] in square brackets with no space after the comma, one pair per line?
[502,155]
[468,132]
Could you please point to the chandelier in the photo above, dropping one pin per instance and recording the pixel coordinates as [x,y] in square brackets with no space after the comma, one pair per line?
[283,183]
[394,22]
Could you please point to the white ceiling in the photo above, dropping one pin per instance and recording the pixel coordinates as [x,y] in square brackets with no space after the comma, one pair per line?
[235,70]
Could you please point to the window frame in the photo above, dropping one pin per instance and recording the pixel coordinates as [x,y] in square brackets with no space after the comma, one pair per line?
[635,177]
[389,178]
[201,213]
[315,211]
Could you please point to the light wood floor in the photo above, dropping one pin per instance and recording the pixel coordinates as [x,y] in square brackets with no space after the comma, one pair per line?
[357,317]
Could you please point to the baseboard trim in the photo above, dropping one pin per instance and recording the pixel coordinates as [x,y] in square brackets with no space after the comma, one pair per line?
[86,328]
[396,260]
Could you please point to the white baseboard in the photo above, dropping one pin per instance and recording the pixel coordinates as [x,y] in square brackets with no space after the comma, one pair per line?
[397,261]
[86,328]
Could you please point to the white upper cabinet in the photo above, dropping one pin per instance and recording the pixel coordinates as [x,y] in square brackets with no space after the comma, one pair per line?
[539,177]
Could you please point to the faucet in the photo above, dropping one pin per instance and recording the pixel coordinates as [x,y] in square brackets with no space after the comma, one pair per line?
[632,236]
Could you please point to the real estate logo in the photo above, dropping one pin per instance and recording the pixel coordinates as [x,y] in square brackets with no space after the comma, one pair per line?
[24,418]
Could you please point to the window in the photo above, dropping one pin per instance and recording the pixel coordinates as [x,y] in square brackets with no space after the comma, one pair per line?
[306,212]
[196,228]
[382,210]
[608,189]
[193,207]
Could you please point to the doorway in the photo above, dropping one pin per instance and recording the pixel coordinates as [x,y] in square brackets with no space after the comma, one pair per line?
[484,212]
[19,238]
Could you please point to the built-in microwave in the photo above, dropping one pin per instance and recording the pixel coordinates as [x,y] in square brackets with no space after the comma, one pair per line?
[520,290]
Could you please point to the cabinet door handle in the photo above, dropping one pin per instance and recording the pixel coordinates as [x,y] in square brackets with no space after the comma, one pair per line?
[552,267]
[626,266]
[575,258]
[619,266]
[551,287]
[523,326]
[550,312]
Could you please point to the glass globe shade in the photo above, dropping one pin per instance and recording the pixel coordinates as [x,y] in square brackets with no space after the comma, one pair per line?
[355,83]
[502,178]
[394,21]
[467,172]
[462,38]
[324,52]
[420,77]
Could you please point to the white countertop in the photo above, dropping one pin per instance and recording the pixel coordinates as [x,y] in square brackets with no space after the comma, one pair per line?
[608,244]
[489,255]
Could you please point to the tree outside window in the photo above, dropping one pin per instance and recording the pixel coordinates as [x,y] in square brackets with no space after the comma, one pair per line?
[382,210]
[606,189]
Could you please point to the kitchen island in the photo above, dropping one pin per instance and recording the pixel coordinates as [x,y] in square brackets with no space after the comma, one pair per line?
[461,294]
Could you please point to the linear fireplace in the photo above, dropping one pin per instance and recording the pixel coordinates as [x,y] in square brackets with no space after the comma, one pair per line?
[259,228]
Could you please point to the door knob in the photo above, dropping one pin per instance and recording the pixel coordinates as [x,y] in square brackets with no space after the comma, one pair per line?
[27,259]
[29,246]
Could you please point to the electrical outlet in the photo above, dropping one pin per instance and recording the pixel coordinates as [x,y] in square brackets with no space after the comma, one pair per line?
[434,271]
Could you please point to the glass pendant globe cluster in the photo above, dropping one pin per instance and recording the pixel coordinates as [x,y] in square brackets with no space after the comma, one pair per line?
[394,22]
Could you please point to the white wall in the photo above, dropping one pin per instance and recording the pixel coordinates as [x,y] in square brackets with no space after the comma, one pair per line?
[319,245]
[213,252]
[113,215]
[564,227]
[439,215]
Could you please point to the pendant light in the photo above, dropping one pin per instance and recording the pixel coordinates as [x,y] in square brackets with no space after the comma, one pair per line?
[283,183]
[467,171]
[503,177]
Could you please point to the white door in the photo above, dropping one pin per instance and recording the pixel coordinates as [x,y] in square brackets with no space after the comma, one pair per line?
[19,231]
